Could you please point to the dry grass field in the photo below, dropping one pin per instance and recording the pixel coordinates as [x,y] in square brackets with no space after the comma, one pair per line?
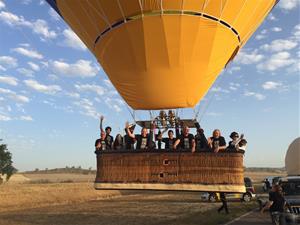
[258,177]
[70,199]
[25,196]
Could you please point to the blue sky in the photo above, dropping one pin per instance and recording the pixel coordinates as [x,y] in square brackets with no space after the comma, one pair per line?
[52,90]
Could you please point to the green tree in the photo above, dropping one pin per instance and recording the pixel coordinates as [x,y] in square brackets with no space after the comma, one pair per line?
[6,167]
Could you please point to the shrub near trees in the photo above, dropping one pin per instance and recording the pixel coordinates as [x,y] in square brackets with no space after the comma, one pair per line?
[6,167]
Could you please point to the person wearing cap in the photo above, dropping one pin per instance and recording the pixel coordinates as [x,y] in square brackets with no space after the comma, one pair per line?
[237,143]
[108,138]
[129,141]
[186,140]
[217,142]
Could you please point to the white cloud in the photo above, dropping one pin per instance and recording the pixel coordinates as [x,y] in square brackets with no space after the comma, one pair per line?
[90,87]
[108,83]
[260,36]
[2,5]
[271,85]
[234,86]
[26,118]
[272,17]
[50,89]
[41,27]
[81,68]
[38,26]
[34,66]
[296,32]
[114,103]
[72,40]
[26,2]
[247,58]
[219,89]
[8,62]
[25,72]
[288,4]
[295,67]
[28,53]
[9,80]
[276,29]
[12,95]
[276,61]
[88,108]
[54,15]
[13,20]
[2,68]
[53,77]
[4,118]
[279,45]
[73,94]
[258,96]
[233,69]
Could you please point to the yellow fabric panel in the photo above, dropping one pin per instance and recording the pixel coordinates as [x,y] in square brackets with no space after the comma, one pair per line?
[231,10]
[193,5]
[151,5]
[172,5]
[111,10]
[131,7]
[214,7]
[94,10]
[255,20]
[247,11]
[164,70]
[80,23]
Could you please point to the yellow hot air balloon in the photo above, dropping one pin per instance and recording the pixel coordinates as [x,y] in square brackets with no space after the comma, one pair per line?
[163,54]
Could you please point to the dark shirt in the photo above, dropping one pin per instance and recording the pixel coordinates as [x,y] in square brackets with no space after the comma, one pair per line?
[169,143]
[103,146]
[218,142]
[159,140]
[144,142]
[201,142]
[278,202]
[129,142]
[109,140]
[186,142]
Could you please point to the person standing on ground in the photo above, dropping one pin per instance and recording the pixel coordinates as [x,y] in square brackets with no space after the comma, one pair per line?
[224,203]
[276,204]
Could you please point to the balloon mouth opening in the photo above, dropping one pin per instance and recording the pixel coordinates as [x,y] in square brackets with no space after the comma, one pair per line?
[167,12]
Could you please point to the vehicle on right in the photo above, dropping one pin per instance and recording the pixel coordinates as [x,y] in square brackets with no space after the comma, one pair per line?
[291,189]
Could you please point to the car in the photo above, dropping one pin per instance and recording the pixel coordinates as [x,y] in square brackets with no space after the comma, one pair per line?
[246,196]
[291,189]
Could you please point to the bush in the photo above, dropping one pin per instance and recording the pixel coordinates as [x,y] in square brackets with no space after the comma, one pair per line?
[6,167]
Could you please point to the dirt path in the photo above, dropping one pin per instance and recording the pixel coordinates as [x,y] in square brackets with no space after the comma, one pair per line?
[250,218]
[129,209]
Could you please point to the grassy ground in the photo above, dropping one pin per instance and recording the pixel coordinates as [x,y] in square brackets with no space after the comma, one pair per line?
[25,196]
[147,208]
[70,199]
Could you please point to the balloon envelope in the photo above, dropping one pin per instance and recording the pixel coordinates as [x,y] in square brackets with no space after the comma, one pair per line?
[163,54]
[292,158]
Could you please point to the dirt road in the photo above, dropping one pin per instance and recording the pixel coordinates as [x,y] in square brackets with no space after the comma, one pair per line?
[129,209]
